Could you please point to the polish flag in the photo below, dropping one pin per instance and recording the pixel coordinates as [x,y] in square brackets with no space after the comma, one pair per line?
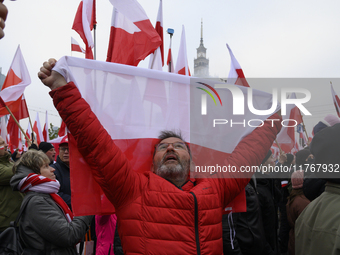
[12,127]
[182,66]
[62,129]
[132,36]
[3,124]
[236,75]
[75,46]
[28,133]
[122,88]
[170,61]
[286,137]
[157,58]
[45,131]
[83,24]
[275,150]
[336,101]
[16,81]
[296,148]
[37,130]
[14,134]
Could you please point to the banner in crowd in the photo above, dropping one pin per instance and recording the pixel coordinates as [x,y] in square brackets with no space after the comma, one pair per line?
[131,106]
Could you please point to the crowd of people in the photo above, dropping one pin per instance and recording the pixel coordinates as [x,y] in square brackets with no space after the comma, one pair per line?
[163,210]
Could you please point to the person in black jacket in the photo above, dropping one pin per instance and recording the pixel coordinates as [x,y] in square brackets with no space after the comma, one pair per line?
[269,196]
[243,233]
[62,171]
[47,225]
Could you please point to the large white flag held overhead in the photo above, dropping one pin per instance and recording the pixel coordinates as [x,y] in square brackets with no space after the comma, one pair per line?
[119,97]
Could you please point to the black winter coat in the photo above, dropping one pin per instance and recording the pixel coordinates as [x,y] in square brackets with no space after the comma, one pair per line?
[250,237]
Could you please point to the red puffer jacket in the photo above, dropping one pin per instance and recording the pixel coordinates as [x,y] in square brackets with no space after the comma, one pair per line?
[154,216]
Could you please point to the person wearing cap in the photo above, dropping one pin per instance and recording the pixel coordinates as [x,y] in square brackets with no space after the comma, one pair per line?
[297,202]
[62,171]
[269,195]
[318,226]
[10,200]
[49,150]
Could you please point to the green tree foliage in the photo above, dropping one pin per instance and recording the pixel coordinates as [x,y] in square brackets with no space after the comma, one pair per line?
[53,132]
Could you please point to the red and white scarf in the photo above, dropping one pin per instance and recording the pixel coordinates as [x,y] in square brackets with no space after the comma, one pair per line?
[41,184]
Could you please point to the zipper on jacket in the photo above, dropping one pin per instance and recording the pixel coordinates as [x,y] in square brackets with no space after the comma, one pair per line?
[196,225]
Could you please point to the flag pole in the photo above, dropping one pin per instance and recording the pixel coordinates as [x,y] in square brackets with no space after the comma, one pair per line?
[10,112]
[278,145]
[171,33]
[304,127]
[94,20]
[94,41]
[29,118]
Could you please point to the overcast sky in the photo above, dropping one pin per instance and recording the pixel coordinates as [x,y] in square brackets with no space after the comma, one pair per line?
[276,39]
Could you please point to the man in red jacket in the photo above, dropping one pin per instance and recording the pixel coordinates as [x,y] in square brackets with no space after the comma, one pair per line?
[159,211]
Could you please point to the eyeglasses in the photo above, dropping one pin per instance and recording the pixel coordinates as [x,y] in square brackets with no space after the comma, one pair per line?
[176,146]
[64,149]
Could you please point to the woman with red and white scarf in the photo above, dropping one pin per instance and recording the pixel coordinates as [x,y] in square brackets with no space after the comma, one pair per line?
[47,224]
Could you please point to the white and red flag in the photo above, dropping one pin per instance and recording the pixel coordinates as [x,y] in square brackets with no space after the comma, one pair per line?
[62,130]
[3,124]
[286,137]
[13,128]
[45,131]
[336,101]
[170,61]
[83,23]
[236,75]
[157,58]
[14,134]
[75,46]
[28,134]
[132,36]
[182,66]
[119,100]
[16,81]
[37,130]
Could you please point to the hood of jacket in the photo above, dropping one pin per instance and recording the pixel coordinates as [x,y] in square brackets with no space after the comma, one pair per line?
[21,173]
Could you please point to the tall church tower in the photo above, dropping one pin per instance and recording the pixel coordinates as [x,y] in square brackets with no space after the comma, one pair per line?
[201,63]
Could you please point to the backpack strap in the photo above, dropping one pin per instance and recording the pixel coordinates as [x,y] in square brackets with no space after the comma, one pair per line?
[22,208]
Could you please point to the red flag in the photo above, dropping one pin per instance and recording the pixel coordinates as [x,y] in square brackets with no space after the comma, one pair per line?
[37,130]
[83,24]
[28,133]
[62,129]
[45,131]
[236,75]
[286,137]
[182,66]
[16,81]
[13,132]
[170,61]
[132,36]
[13,128]
[336,101]
[2,104]
[75,46]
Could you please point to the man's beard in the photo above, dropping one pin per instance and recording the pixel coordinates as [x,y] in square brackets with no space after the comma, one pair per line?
[172,172]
